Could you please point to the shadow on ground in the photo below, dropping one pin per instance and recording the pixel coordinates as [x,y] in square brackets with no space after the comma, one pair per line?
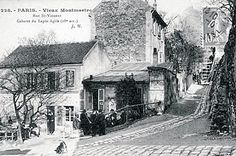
[14,152]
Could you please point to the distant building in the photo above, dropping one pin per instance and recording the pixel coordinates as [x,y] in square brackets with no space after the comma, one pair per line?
[131,30]
[71,62]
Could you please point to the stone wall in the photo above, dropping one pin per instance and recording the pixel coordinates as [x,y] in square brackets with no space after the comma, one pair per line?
[120,25]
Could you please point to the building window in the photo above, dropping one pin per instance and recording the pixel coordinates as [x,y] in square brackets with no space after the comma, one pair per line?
[101,98]
[69,78]
[155,51]
[39,80]
[44,81]
[29,80]
[51,80]
[69,113]
[154,27]
[159,31]
[89,100]
[155,56]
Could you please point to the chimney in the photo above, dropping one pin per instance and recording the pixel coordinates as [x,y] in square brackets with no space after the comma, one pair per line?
[155,4]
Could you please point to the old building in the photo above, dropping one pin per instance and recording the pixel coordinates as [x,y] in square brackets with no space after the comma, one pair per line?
[156,83]
[66,65]
[131,30]
[133,35]
[100,89]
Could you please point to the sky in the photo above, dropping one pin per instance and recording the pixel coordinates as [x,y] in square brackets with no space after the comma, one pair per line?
[69,27]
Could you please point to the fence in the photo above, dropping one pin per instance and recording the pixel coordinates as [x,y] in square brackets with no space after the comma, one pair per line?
[138,111]
[8,134]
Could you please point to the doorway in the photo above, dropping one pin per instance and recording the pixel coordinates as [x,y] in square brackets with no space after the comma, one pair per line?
[95,99]
[51,119]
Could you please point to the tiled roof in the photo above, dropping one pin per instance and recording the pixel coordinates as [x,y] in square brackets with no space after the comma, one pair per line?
[139,71]
[55,54]
[138,77]
[142,66]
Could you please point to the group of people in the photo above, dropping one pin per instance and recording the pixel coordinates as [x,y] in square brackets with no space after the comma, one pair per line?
[93,125]
[97,122]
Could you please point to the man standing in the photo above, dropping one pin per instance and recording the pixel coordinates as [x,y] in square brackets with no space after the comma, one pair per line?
[93,123]
[85,122]
[101,123]
[50,121]
[76,122]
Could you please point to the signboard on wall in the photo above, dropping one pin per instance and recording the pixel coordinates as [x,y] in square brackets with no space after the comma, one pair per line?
[215,26]
[157,82]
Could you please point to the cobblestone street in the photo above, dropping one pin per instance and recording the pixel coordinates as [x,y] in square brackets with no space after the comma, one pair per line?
[165,143]
[183,136]
[153,150]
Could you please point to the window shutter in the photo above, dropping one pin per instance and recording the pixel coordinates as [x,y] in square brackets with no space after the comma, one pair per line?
[45,81]
[70,78]
[23,80]
[57,80]
[101,98]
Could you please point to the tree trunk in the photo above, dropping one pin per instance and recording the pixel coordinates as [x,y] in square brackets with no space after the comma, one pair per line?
[19,132]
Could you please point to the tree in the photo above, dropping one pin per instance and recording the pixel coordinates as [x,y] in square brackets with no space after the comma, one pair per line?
[27,85]
[183,54]
[126,92]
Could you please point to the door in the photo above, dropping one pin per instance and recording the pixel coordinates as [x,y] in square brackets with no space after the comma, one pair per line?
[95,99]
[70,114]
[51,119]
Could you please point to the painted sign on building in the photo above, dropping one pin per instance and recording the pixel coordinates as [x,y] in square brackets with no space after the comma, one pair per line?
[215,26]
[156,92]
[157,82]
